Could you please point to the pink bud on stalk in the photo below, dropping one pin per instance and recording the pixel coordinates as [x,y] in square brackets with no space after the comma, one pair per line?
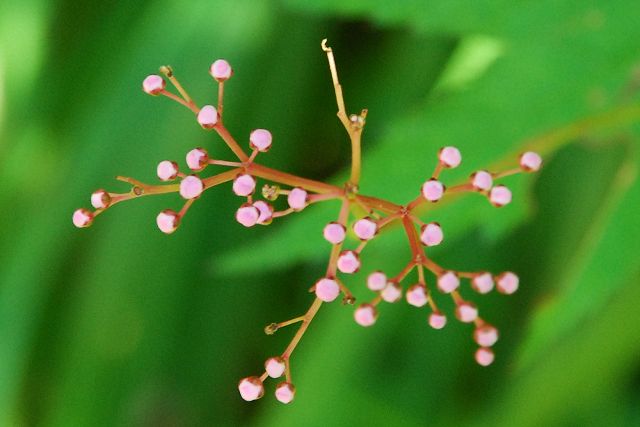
[365,315]
[251,388]
[153,84]
[260,139]
[168,221]
[208,117]
[327,289]
[334,233]
[433,190]
[450,157]
[167,170]
[197,159]
[221,70]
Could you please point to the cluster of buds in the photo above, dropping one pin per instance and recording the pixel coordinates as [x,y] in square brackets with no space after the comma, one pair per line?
[365,216]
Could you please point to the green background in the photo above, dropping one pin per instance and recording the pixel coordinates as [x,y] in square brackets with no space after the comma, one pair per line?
[120,325]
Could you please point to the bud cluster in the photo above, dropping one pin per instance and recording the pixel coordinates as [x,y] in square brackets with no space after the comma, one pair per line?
[351,227]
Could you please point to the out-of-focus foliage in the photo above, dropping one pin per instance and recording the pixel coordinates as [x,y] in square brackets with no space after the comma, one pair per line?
[120,325]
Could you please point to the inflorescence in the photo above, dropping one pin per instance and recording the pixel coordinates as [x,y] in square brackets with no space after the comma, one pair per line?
[302,192]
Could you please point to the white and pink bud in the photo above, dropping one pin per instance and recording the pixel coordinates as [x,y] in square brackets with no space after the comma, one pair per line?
[365,315]
[450,157]
[327,289]
[365,228]
[208,117]
[285,392]
[266,212]
[247,215]
[167,170]
[431,234]
[500,196]
[275,366]
[251,388]
[334,233]
[100,199]
[482,181]
[82,218]
[417,295]
[260,139]
[448,282]
[348,262]
[168,221]
[437,320]
[507,283]
[377,281]
[530,161]
[221,70]
[153,84]
[485,335]
[244,185]
[482,283]
[484,356]
[297,199]
[197,159]
[191,187]
[432,190]
[466,312]
[392,292]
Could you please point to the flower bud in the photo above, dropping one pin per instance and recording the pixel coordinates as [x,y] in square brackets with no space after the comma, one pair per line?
[507,283]
[348,262]
[297,199]
[481,180]
[392,292]
[275,366]
[433,190]
[266,212]
[500,196]
[484,356]
[417,296]
[431,234]
[251,388]
[466,312]
[82,218]
[448,282]
[168,221]
[100,199]
[247,215]
[530,161]
[285,392]
[377,281]
[167,170]
[153,84]
[197,159]
[365,228]
[244,185]
[485,335]
[437,320]
[191,187]
[208,117]
[482,283]
[365,315]
[260,139]
[327,289]
[450,157]
[221,70]
[334,233]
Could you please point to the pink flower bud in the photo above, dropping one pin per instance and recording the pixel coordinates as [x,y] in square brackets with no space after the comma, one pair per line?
[466,312]
[197,159]
[448,282]
[530,161]
[432,190]
[285,392]
[153,84]
[251,388]
[275,366]
[191,187]
[417,295]
[297,199]
[82,218]
[100,199]
[327,289]
[507,283]
[348,262]
[437,320]
[221,70]
[167,170]
[482,283]
[334,233]
[208,117]
[481,180]
[500,196]
[244,185]
[485,335]
[168,221]
[365,315]
[484,356]
[377,281]
[365,228]
[266,212]
[450,157]
[260,139]
[431,234]
[392,292]
[247,215]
